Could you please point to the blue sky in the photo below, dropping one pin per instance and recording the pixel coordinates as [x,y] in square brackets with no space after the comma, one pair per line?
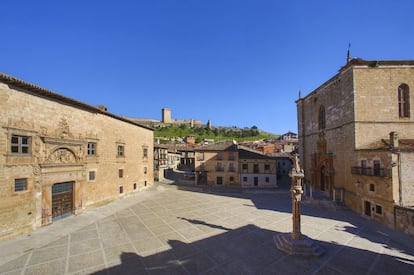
[239,63]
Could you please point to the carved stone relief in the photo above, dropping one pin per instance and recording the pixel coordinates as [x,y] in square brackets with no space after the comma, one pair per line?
[63,130]
[20,124]
[62,155]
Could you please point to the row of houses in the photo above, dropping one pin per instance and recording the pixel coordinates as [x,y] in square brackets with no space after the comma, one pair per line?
[223,163]
[228,164]
[60,156]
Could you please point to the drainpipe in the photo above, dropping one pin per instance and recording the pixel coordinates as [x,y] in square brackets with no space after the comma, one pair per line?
[399,179]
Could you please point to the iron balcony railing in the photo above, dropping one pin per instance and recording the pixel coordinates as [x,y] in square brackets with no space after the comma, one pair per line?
[369,171]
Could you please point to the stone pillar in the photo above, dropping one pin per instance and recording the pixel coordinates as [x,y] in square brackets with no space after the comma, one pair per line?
[296,175]
[295,243]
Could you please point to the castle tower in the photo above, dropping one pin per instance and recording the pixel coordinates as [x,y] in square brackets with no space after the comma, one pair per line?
[166,115]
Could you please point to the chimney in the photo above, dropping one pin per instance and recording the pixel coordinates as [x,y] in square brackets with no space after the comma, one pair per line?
[394,139]
[102,108]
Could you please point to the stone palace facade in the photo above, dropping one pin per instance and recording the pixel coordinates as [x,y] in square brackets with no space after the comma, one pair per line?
[59,155]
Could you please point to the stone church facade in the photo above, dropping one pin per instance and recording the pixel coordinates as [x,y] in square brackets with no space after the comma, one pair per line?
[356,139]
[59,155]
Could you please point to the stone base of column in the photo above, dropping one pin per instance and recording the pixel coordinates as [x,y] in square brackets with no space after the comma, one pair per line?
[303,247]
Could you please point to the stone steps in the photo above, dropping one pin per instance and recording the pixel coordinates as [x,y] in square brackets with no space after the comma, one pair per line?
[304,247]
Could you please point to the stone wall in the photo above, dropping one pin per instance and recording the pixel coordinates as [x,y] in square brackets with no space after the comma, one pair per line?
[404,219]
[59,133]
[407,178]
[361,109]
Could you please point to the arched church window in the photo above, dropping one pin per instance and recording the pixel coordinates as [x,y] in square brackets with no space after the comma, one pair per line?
[322,118]
[404,100]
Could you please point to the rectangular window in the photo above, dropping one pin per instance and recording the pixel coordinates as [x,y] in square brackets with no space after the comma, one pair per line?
[372,187]
[91,175]
[267,179]
[231,156]
[245,179]
[267,168]
[20,145]
[121,189]
[145,153]
[219,180]
[91,148]
[219,156]
[364,167]
[377,168]
[121,173]
[231,178]
[404,100]
[256,168]
[135,185]
[378,209]
[232,167]
[244,166]
[121,150]
[145,170]
[20,185]
[364,163]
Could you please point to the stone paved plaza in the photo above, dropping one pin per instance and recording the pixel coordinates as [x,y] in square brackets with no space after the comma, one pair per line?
[170,231]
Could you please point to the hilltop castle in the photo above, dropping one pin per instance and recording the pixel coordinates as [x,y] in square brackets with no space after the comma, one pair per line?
[166,119]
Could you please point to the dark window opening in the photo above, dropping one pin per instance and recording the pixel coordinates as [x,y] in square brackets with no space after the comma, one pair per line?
[121,150]
[91,148]
[20,185]
[20,145]
[378,209]
[322,118]
[91,175]
[372,187]
[403,100]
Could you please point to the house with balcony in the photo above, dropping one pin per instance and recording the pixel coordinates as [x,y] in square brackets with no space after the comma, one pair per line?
[166,160]
[255,169]
[217,164]
[227,164]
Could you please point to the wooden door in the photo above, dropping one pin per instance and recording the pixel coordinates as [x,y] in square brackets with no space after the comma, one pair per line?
[62,199]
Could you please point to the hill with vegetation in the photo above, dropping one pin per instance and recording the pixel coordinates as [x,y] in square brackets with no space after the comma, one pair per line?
[171,132]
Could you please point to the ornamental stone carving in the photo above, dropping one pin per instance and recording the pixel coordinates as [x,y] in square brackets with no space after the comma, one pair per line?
[63,129]
[62,155]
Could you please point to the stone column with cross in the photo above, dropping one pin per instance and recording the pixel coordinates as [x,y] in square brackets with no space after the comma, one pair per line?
[295,243]
[296,175]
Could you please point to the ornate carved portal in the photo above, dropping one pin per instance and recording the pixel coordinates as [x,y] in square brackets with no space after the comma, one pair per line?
[322,167]
[60,162]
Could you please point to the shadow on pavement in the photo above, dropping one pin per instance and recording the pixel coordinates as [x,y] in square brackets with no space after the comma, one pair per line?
[251,250]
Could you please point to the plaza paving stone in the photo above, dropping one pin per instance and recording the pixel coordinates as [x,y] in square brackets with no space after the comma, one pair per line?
[167,230]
